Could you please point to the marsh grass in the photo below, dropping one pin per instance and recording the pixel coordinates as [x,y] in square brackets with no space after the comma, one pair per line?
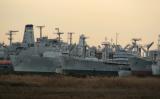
[68,87]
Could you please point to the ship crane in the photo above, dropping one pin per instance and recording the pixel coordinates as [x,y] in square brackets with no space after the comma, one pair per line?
[127,46]
[70,37]
[107,46]
[134,44]
[84,40]
[11,33]
[135,40]
[3,44]
[83,45]
[148,46]
[40,29]
[134,47]
[59,34]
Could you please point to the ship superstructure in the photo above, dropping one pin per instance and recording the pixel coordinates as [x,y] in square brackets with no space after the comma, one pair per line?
[54,55]
[140,65]
[79,62]
[40,56]
[28,38]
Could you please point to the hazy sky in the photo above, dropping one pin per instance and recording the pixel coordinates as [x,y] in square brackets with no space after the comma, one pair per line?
[96,19]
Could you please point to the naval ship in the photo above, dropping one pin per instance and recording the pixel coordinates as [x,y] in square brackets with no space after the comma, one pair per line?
[140,65]
[79,62]
[114,59]
[53,55]
[40,56]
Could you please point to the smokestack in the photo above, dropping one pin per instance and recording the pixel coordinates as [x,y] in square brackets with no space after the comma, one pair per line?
[28,38]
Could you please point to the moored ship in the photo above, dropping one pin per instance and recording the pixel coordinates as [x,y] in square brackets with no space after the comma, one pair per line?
[79,63]
[40,56]
[141,66]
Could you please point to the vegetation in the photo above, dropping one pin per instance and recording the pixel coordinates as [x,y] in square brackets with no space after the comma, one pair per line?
[67,87]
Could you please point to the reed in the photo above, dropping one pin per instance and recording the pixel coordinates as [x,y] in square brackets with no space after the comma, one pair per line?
[68,87]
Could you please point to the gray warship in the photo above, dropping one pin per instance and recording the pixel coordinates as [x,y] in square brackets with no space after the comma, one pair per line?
[83,60]
[140,65]
[40,56]
[114,58]
[53,55]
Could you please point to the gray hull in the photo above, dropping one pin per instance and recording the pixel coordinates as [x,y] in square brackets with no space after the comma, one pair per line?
[31,61]
[35,64]
[140,66]
[156,69]
[73,65]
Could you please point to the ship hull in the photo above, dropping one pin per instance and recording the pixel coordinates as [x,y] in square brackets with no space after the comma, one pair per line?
[35,64]
[140,66]
[80,66]
[156,70]
[30,61]
[89,72]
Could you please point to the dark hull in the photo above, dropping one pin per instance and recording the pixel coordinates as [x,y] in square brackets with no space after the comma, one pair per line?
[6,68]
[142,73]
[90,72]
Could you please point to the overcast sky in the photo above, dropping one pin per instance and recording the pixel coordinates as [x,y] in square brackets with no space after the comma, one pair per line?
[96,19]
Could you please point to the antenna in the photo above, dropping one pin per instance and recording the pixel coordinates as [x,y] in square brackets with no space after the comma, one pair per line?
[70,37]
[106,39]
[135,40]
[159,42]
[40,29]
[117,38]
[105,43]
[11,33]
[84,38]
[111,40]
[158,47]
[59,34]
